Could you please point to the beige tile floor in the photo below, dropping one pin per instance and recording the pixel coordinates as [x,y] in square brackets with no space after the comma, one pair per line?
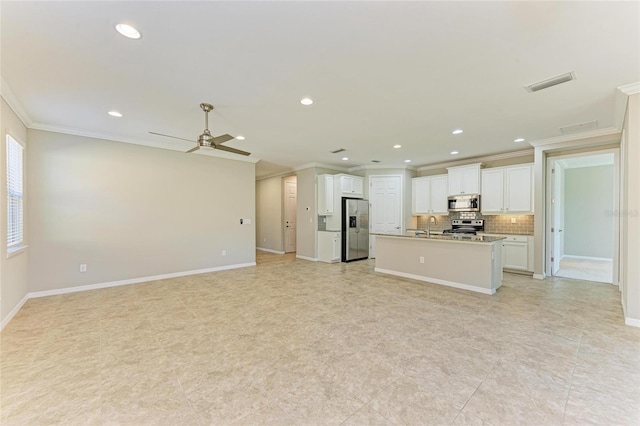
[586,269]
[303,343]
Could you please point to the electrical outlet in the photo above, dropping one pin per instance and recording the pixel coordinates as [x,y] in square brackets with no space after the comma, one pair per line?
[224,252]
[264,240]
[513,220]
[83,267]
[421,259]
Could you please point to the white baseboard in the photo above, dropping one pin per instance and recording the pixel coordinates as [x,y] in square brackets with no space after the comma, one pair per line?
[311,259]
[437,281]
[14,311]
[538,276]
[269,250]
[571,256]
[633,322]
[135,280]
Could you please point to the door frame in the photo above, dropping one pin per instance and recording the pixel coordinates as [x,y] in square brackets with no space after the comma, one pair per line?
[550,181]
[283,218]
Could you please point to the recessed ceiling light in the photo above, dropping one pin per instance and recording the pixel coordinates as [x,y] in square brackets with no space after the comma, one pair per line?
[240,137]
[397,146]
[114,114]
[519,140]
[407,161]
[345,158]
[454,152]
[128,31]
[306,101]
[457,131]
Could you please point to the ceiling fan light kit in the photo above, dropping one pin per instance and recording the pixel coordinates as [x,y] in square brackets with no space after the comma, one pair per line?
[206,139]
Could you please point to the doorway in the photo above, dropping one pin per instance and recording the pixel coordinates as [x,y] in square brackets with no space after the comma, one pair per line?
[582,231]
[385,207]
[290,202]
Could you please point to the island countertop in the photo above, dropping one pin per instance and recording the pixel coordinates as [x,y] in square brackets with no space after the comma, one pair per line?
[468,238]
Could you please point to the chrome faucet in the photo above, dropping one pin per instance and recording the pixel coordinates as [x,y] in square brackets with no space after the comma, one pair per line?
[435,222]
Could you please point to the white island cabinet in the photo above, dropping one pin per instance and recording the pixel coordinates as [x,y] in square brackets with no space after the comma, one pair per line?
[436,260]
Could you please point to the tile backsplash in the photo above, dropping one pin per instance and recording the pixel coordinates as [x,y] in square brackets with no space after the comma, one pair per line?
[496,224]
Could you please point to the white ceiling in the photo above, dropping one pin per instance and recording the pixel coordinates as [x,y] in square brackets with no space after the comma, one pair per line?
[380,73]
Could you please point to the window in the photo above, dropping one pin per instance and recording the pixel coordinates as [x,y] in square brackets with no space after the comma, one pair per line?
[15,220]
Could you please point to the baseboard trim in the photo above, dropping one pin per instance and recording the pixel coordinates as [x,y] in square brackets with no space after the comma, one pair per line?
[538,276]
[14,311]
[571,256]
[135,280]
[633,322]
[269,250]
[311,259]
[437,281]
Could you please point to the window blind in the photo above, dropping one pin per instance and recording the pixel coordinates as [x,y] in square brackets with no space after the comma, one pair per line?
[15,220]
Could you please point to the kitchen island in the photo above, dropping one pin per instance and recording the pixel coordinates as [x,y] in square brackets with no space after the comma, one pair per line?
[468,262]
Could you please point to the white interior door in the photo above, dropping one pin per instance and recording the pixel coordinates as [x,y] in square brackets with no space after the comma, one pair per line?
[385,198]
[290,205]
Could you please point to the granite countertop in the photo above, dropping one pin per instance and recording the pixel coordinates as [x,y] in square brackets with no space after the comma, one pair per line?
[450,237]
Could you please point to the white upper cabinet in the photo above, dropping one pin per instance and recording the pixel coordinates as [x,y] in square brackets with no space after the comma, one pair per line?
[518,191]
[350,186]
[492,196]
[325,195]
[429,195]
[507,190]
[464,179]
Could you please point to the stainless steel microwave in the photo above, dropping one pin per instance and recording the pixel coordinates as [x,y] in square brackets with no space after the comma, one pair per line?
[464,203]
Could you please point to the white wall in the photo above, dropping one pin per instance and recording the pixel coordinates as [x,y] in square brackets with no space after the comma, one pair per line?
[269,214]
[13,271]
[588,204]
[130,211]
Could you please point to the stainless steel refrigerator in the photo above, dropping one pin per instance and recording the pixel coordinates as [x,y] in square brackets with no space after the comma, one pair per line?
[355,229]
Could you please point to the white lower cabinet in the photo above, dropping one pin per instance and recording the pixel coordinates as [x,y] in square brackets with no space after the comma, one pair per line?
[329,246]
[517,252]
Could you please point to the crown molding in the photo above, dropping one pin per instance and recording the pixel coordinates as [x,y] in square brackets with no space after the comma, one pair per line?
[276,175]
[601,135]
[12,100]
[620,102]
[114,138]
[381,167]
[321,165]
[473,160]
[630,89]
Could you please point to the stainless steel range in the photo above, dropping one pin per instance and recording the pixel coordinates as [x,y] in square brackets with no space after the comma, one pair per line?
[465,226]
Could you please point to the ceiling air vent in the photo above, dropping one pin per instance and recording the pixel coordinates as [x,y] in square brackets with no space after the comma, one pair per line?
[553,81]
[335,151]
[581,127]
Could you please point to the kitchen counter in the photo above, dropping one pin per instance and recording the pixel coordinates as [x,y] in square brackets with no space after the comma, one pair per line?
[469,262]
[451,237]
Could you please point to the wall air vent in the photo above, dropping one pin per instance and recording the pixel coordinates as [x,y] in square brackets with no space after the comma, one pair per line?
[336,151]
[581,127]
[553,81]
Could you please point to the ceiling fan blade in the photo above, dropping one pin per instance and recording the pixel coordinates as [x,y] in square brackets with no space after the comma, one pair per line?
[169,136]
[197,147]
[229,149]
[222,139]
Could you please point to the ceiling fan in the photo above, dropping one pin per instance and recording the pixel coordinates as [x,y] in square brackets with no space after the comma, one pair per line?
[206,139]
